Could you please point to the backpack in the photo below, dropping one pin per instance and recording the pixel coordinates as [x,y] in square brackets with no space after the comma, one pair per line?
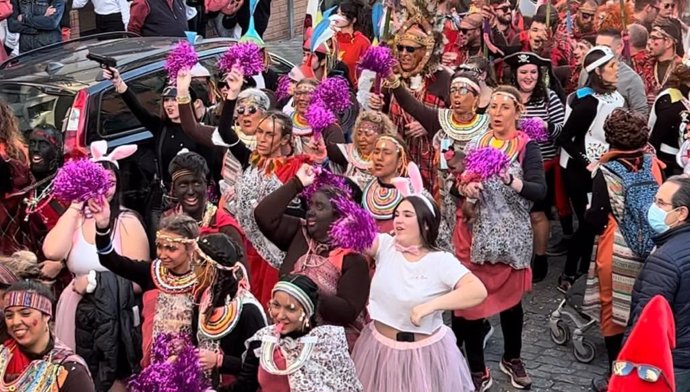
[638,191]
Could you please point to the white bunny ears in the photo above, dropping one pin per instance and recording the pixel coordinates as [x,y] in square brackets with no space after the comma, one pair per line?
[413,181]
[100,147]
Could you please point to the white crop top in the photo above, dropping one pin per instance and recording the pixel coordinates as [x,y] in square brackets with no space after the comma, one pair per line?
[399,285]
[83,256]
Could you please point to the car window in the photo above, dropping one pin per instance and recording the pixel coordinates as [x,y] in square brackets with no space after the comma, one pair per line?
[36,105]
[115,116]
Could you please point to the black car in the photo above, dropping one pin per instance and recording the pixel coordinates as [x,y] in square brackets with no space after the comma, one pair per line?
[58,85]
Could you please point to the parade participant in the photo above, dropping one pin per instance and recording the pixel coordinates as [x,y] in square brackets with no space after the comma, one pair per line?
[351,42]
[646,12]
[72,239]
[169,136]
[32,359]
[243,108]
[407,347]
[356,157]
[302,135]
[544,39]
[418,45]
[615,213]
[389,160]
[583,142]
[189,174]
[484,72]
[15,175]
[665,119]
[503,10]
[664,52]
[529,72]
[227,315]
[268,78]
[19,265]
[584,21]
[506,273]
[296,354]
[453,128]
[569,74]
[167,282]
[468,43]
[341,273]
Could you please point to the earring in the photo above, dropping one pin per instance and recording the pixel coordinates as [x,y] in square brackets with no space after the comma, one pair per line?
[301,318]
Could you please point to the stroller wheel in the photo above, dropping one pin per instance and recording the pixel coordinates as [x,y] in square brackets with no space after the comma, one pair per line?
[560,333]
[585,353]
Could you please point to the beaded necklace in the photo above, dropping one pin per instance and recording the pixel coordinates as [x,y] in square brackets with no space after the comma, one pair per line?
[510,147]
[223,320]
[358,160]
[300,127]
[458,131]
[40,376]
[268,346]
[32,203]
[169,283]
[380,201]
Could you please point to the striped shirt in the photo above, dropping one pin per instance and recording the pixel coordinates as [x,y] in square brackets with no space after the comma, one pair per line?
[553,113]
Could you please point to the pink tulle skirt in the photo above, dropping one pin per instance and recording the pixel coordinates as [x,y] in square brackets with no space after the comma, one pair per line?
[65,316]
[434,364]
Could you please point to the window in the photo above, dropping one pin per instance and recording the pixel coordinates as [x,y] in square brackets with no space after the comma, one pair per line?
[36,105]
[115,116]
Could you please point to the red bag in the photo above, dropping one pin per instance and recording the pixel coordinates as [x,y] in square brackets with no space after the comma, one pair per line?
[5,9]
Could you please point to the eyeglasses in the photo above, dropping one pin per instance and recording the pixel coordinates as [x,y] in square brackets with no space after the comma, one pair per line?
[586,15]
[408,49]
[247,109]
[461,90]
[656,37]
[646,373]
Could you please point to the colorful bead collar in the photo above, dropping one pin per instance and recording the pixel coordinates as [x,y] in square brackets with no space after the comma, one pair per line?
[169,283]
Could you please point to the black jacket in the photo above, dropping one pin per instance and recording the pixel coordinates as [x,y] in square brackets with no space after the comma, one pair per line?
[666,272]
[106,335]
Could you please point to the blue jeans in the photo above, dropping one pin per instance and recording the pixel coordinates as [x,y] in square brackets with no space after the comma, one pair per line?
[682,380]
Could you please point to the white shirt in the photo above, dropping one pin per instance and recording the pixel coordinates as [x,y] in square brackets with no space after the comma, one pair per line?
[399,285]
[107,7]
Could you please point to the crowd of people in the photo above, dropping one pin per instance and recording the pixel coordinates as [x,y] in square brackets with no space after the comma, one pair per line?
[369,253]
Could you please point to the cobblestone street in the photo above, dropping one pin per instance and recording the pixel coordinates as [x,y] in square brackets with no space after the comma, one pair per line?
[552,367]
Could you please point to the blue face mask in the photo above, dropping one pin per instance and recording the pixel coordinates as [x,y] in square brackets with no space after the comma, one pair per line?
[657,218]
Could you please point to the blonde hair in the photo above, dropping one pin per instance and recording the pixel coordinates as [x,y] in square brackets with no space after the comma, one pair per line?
[387,126]
[22,263]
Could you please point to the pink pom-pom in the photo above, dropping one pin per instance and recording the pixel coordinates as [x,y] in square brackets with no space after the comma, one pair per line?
[181,56]
[535,128]
[80,180]
[355,229]
[319,118]
[334,92]
[283,90]
[378,59]
[483,163]
[246,55]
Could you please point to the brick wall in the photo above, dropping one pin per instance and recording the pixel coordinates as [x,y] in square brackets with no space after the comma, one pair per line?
[278,24]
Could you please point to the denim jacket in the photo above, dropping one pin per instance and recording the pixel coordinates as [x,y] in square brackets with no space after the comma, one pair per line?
[36,30]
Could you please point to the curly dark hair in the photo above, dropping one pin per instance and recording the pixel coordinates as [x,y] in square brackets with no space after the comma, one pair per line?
[189,161]
[626,130]
[540,92]
[679,77]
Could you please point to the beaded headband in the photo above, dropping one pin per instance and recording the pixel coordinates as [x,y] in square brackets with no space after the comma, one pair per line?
[181,173]
[179,240]
[299,294]
[29,299]
[217,265]
[466,82]
[608,56]
[507,95]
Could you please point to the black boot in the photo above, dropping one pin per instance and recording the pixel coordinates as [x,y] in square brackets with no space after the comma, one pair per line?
[540,268]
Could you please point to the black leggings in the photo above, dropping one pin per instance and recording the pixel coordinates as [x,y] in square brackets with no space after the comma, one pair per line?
[578,184]
[471,332]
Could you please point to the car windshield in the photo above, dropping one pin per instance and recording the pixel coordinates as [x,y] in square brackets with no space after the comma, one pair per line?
[36,105]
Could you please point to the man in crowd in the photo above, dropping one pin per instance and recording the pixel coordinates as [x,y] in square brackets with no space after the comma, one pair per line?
[664,52]
[158,18]
[111,15]
[646,12]
[36,22]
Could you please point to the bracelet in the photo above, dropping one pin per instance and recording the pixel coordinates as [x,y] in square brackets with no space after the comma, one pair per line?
[510,182]
[392,85]
[75,208]
[102,233]
[471,200]
[183,100]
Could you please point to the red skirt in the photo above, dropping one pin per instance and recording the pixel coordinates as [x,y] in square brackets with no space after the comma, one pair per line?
[262,276]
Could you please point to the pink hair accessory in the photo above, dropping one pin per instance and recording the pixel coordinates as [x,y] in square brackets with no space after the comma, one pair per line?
[100,147]
[415,182]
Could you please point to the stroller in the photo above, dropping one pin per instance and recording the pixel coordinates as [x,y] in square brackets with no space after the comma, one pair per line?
[584,350]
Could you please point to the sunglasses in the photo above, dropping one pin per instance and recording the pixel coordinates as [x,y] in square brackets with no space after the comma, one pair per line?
[586,15]
[669,5]
[408,49]
[465,31]
[646,373]
[504,8]
[247,109]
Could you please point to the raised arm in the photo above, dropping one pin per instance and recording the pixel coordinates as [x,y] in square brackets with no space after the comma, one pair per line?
[202,134]
[145,117]
[270,215]
[426,116]
[225,130]
[58,241]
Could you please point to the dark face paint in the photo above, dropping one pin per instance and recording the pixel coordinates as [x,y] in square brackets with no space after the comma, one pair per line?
[320,216]
[45,157]
[190,192]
